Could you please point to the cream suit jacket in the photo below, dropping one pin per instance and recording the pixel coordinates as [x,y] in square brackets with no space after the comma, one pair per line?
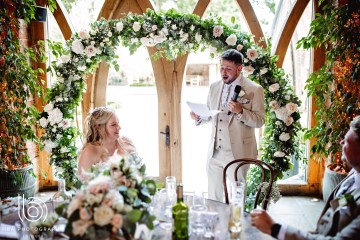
[335,222]
[242,129]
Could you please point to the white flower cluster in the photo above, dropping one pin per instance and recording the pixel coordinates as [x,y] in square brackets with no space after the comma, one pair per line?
[55,121]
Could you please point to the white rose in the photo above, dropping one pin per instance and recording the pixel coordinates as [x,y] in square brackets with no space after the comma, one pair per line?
[77,47]
[288,121]
[84,34]
[274,87]
[198,37]
[217,31]
[103,215]
[144,41]
[212,49]
[79,227]
[65,58]
[263,71]
[73,205]
[136,26]
[239,47]
[284,136]
[251,54]
[119,26]
[231,40]
[274,104]
[90,51]
[291,107]
[279,154]
[248,70]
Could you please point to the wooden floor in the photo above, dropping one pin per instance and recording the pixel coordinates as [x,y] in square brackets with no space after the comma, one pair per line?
[298,211]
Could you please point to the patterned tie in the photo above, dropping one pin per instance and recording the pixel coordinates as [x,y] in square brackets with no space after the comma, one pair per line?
[346,186]
[225,95]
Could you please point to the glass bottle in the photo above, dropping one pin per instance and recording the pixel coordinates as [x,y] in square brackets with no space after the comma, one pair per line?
[180,214]
[61,196]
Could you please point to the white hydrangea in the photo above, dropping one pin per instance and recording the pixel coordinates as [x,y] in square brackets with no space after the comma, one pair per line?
[274,87]
[77,46]
[43,122]
[55,116]
[48,107]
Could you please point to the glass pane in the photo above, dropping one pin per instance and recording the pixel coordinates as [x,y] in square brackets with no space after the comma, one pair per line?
[83,12]
[183,6]
[132,92]
[297,64]
[226,9]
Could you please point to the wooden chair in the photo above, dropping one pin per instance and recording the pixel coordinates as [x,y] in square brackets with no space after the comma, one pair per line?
[263,167]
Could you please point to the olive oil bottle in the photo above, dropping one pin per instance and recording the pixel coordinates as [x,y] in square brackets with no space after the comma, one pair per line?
[180,214]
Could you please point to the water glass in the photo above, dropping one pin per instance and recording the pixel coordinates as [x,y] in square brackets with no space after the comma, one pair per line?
[211,220]
[170,186]
[198,202]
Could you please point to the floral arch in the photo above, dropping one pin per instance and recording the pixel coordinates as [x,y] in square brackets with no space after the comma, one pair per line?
[172,34]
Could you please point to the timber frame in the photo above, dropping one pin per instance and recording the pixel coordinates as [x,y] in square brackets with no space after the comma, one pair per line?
[169,77]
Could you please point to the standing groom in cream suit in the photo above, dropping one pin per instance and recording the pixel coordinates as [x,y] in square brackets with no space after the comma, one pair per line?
[233,131]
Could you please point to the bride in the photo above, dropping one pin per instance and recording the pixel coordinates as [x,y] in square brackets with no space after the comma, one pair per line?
[103,139]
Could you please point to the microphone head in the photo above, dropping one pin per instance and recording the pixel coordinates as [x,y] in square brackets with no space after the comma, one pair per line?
[237,89]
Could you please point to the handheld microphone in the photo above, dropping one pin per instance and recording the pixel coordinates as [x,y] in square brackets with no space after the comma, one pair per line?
[236,94]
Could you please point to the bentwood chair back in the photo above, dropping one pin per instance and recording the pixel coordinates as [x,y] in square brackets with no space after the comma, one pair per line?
[264,167]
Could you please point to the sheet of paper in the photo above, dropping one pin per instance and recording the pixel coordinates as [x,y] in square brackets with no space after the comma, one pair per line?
[202,110]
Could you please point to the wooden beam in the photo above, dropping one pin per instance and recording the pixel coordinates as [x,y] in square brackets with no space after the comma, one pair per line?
[252,21]
[288,29]
[201,7]
[62,18]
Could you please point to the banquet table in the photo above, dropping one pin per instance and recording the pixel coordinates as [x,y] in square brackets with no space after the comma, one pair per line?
[248,232]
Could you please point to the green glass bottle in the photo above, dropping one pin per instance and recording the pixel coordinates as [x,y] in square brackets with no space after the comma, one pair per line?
[180,214]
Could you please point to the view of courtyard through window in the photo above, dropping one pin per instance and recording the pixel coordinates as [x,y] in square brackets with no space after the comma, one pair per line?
[132,91]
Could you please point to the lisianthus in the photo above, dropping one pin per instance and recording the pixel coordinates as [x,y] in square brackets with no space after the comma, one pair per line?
[111,202]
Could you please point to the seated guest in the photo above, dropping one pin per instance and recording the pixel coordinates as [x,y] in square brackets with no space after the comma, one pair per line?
[102,139]
[340,218]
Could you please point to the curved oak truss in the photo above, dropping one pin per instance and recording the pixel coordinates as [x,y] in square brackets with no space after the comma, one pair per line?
[168,84]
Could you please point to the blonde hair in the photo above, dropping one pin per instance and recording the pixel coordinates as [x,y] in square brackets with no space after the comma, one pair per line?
[95,124]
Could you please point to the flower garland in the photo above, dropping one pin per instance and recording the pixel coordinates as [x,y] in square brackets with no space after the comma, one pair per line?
[173,34]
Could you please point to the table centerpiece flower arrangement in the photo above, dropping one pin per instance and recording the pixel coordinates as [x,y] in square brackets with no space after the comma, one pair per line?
[111,203]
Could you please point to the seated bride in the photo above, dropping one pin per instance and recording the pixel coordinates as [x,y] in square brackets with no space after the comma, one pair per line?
[103,140]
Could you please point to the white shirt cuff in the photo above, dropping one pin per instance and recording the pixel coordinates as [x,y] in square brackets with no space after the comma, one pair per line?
[281,235]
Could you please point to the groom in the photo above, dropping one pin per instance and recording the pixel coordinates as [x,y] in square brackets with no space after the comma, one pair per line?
[340,218]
